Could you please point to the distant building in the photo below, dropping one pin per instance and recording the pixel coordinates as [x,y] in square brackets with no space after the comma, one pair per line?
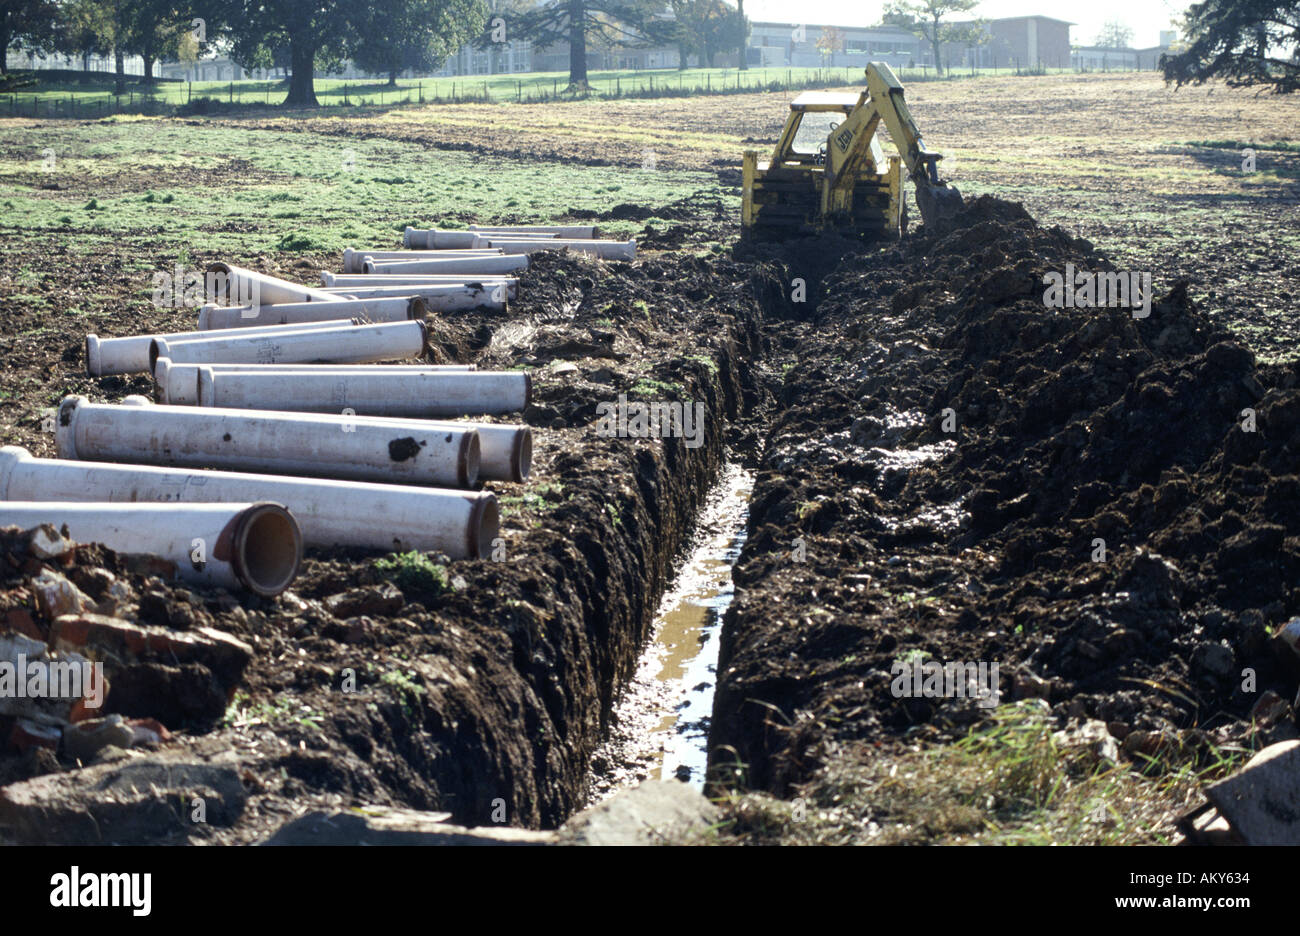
[772,45]
[1097,58]
[1026,42]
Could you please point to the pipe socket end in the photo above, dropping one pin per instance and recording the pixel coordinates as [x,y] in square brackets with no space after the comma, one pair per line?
[266,549]
[468,460]
[157,349]
[65,427]
[162,370]
[94,364]
[10,457]
[484,525]
[521,456]
[205,391]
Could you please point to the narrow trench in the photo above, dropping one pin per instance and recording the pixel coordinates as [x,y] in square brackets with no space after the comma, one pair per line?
[660,728]
[660,725]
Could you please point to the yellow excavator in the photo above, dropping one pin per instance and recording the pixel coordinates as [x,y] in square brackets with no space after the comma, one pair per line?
[829,171]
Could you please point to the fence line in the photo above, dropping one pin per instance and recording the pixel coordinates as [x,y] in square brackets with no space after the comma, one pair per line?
[650,85]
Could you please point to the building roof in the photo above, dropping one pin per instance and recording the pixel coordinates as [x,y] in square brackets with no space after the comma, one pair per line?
[1050,19]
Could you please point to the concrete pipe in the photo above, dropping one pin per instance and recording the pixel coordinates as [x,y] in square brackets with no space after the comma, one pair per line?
[395,393]
[357,514]
[610,250]
[352,259]
[332,282]
[255,547]
[130,354]
[355,344]
[471,266]
[505,451]
[433,239]
[178,384]
[434,298]
[575,232]
[394,307]
[276,442]
[238,286]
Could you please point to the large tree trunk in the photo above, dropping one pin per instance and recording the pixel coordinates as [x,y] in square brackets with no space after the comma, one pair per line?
[119,59]
[149,59]
[934,44]
[392,79]
[742,49]
[6,37]
[577,45]
[682,55]
[85,69]
[302,84]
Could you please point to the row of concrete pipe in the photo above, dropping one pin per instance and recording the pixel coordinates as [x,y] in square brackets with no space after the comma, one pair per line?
[277,428]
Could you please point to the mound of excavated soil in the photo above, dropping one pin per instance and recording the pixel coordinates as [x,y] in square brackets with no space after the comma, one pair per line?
[1104,505]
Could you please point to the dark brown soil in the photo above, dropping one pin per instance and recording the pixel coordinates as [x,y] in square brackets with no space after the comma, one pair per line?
[483,698]
[978,544]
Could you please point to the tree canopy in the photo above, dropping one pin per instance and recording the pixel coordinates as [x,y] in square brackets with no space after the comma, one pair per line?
[613,23]
[926,19]
[27,24]
[1245,42]
[418,35]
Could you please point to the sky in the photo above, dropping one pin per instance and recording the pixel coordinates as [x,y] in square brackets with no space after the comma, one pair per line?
[1145,17]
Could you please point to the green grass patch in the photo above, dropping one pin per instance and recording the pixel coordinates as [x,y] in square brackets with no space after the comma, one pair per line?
[414,571]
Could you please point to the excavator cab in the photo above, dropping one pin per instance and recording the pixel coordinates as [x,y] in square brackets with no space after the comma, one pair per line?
[828,170]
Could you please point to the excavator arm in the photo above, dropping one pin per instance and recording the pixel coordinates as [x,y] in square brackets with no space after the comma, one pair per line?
[848,150]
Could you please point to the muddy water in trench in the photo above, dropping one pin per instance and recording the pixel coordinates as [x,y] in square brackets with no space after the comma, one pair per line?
[661,721]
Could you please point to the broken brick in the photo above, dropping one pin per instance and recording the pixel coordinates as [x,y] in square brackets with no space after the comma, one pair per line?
[114,640]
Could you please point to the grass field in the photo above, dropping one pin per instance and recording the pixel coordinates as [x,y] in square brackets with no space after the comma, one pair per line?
[1154,192]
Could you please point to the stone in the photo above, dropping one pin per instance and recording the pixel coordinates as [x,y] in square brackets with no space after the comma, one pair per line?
[1094,736]
[1261,801]
[48,543]
[131,799]
[382,825]
[652,813]
[83,740]
[372,600]
[56,596]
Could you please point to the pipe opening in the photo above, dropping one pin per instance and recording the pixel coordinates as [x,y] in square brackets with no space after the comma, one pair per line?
[484,525]
[471,457]
[267,549]
[522,460]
